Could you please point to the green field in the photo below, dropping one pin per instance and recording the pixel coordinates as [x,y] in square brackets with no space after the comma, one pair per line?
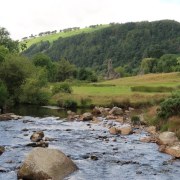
[119,90]
[54,37]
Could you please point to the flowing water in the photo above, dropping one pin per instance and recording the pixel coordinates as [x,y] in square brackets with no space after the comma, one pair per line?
[125,159]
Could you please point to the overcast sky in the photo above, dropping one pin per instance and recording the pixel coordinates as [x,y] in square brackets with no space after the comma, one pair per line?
[25,17]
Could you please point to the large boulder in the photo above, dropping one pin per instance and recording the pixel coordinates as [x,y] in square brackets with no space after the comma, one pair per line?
[37,136]
[46,164]
[116,111]
[87,116]
[9,116]
[167,138]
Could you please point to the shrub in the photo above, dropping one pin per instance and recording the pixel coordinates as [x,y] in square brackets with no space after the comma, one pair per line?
[135,120]
[69,103]
[3,94]
[170,106]
[63,88]
[85,102]
[151,89]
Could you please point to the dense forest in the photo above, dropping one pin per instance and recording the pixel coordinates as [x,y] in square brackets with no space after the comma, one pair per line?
[126,44]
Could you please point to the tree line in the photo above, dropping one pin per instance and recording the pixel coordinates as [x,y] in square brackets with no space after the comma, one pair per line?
[126,44]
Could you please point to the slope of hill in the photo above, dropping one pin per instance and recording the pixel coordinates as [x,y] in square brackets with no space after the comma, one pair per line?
[53,37]
[126,44]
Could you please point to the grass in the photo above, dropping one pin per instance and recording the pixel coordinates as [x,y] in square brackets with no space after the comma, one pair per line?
[53,37]
[119,91]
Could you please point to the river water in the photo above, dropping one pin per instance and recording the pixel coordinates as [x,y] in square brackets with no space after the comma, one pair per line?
[125,159]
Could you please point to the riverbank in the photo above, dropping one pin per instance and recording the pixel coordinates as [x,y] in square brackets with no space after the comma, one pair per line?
[118,155]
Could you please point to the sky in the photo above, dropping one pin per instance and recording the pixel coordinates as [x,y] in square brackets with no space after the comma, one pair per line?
[25,17]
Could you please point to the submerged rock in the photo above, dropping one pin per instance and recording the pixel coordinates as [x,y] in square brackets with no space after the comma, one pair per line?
[2,149]
[46,164]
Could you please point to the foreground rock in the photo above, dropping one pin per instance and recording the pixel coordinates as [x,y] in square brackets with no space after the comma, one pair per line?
[167,138]
[9,116]
[46,164]
[2,149]
[37,136]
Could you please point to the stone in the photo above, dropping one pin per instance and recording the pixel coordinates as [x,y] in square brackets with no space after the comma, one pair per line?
[113,131]
[96,111]
[94,157]
[87,116]
[39,144]
[116,111]
[173,150]
[147,139]
[2,149]
[151,129]
[167,138]
[37,136]
[46,164]
[131,109]
[125,129]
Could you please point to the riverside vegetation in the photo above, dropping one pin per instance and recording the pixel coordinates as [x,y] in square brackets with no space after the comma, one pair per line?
[41,79]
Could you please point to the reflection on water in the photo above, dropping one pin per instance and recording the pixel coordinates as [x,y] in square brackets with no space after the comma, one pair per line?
[40,111]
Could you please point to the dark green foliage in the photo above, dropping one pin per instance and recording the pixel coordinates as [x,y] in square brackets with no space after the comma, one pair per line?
[85,102]
[3,52]
[126,44]
[7,42]
[14,71]
[152,89]
[85,74]
[65,70]
[32,91]
[3,94]
[62,88]
[170,107]
[69,103]
[135,120]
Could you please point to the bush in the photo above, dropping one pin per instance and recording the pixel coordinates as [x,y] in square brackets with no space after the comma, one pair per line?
[63,88]
[135,120]
[85,102]
[3,94]
[152,89]
[170,106]
[69,103]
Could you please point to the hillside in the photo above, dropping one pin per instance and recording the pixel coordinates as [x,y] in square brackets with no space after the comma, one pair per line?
[52,37]
[126,44]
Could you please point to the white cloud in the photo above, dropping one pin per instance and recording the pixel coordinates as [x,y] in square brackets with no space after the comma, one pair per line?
[23,17]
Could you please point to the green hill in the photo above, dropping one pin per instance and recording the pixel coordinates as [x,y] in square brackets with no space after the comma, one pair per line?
[53,37]
[126,44]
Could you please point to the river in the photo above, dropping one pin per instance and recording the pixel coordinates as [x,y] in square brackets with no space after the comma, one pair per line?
[125,159]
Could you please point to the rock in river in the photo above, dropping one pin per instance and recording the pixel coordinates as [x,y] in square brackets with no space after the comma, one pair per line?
[46,164]
[167,138]
[87,116]
[2,149]
[37,136]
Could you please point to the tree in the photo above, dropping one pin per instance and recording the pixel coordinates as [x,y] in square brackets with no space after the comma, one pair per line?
[6,41]
[65,70]
[3,52]
[14,71]
[3,95]
[148,65]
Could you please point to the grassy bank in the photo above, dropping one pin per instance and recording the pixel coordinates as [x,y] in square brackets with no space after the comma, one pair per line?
[119,91]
